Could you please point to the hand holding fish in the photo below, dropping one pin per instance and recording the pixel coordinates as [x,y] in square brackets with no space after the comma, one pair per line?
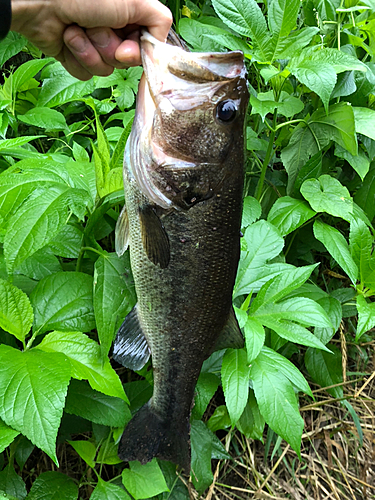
[90,37]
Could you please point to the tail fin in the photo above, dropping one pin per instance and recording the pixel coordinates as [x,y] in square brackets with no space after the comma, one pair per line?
[147,436]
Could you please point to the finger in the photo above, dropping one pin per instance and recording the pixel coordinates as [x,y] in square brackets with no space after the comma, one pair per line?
[107,42]
[71,65]
[129,52]
[84,52]
[154,15]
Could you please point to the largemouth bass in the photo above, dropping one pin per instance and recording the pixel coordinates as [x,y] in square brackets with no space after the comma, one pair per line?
[183,177]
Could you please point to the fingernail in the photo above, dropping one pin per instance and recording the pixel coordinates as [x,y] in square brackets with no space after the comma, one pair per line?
[78,43]
[101,39]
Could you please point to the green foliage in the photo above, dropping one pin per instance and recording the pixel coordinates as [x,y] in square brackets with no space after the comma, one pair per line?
[306,261]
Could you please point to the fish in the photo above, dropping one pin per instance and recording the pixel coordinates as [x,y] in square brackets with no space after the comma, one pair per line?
[183,182]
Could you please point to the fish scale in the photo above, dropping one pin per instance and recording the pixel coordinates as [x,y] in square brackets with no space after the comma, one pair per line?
[184,249]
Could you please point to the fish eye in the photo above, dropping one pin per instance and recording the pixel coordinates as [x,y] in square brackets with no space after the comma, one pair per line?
[226,111]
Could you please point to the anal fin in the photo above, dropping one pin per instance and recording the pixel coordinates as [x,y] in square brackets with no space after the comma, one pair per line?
[122,232]
[130,348]
[154,238]
[231,335]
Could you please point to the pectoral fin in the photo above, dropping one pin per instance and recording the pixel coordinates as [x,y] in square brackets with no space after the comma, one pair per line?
[122,232]
[154,238]
[130,348]
[230,335]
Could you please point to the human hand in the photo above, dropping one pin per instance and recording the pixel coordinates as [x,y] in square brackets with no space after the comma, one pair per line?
[90,37]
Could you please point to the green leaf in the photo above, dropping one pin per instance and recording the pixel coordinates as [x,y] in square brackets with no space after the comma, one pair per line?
[220,419]
[254,338]
[365,121]
[10,46]
[63,88]
[18,141]
[326,369]
[287,214]
[365,195]
[245,17]
[311,169]
[194,33]
[277,401]
[337,246]
[360,244]
[251,211]
[35,223]
[67,242]
[108,491]
[206,387]
[317,76]
[201,452]
[12,484]
[144,481]
[86,450]
[96,406]
[86,361]
[282,17]
[327,194]
[7,436]
[235,380]
[309,138]
[39,265]
[46,118]
[108,453]
[16,313]
[251,422]
[333,309]
[264,103]
[23,73]
[37,384]
[359,162]
[366,316]
[114,296]
[264,242]
[63,301]
[53,486]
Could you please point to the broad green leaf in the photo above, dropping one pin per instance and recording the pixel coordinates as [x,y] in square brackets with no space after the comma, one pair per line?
[63,301]
[246,18]
[220,419]
[360,244]
[365,195]
[264,103]
[86,450]
[95,406]
[264,242]
[206,387]
[144,481]
[201,452]
[114,295]
[326,369]
[317,76]
[12,484]
[108,491]
[23,73]
[288,46]
[337,246]
[311,170]
[67,243]
[194,33]
[107,453]
[359,162]
[86,361]
[251,422]
[277,401]
[16,313]
[23,451]
[338,59]
[366,316]
[10,46]
[327,194]
[280,286]
[63,88]
[365,121]
[7,435]
[39,265]
[230,42]
[35,223]
[287,214]
[333,309]
[235,380]
[53,486]
[254,338]
[287,368]
[308,139]
[46,118]
[251,211]
[282,17]
[118,154]
[345,85]
[18,141]
[79,153]
[37,384]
